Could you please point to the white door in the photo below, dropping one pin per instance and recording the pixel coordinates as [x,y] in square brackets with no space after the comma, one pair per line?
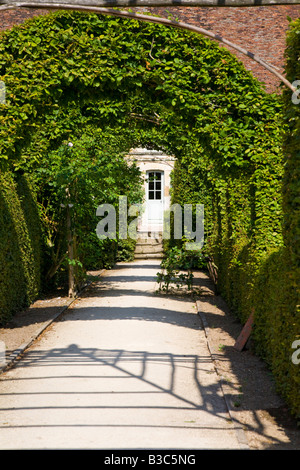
[155,199]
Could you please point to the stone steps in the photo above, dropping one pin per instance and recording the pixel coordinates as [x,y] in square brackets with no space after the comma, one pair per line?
[148,247]
[148,256]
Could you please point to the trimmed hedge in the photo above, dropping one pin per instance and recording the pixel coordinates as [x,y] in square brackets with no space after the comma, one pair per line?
[254,240]
[255,268]
[20,245]
[291,198]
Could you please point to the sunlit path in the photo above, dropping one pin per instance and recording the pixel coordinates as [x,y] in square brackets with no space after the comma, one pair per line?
[124,368]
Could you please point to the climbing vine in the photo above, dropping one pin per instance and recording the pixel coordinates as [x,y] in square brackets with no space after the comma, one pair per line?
[110,84]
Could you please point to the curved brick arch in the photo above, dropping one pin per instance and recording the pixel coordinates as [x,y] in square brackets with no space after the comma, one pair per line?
[261,30]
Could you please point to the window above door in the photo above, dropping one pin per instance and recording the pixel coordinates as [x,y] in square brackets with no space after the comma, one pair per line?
[154,180]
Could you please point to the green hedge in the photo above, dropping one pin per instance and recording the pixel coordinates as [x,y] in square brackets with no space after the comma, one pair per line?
[254,234]
[20,245]
[291,198]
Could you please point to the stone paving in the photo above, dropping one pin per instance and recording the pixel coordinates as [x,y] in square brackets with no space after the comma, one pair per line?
[122,368]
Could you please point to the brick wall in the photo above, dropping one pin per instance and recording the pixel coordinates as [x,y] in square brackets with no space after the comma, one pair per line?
[10,18]
[260,30]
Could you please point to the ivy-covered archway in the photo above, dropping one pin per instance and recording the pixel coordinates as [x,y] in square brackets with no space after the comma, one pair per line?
[73,77]
[132,69]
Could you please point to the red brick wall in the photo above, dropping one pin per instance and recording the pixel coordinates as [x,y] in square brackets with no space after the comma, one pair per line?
[261,30]
[10,18]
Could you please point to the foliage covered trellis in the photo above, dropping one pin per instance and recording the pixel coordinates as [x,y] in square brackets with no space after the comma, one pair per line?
[70,74]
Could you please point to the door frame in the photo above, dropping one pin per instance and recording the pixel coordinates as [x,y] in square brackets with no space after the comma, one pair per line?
[158,222]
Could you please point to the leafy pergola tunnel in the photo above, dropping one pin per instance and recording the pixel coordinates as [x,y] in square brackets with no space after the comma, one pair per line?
[115,84]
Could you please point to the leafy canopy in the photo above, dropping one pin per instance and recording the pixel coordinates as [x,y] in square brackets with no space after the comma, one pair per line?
[65,71]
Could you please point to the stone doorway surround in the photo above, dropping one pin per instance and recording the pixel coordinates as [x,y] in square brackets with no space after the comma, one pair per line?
[149,237]
[152,160]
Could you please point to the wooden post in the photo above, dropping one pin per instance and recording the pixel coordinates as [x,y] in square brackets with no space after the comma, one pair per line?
[245,333]
[70,242]
[212,271]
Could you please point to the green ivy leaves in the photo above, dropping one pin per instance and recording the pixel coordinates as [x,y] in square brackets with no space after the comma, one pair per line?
[198,89]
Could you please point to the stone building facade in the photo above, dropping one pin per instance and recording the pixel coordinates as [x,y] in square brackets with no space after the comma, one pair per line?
[156,168]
